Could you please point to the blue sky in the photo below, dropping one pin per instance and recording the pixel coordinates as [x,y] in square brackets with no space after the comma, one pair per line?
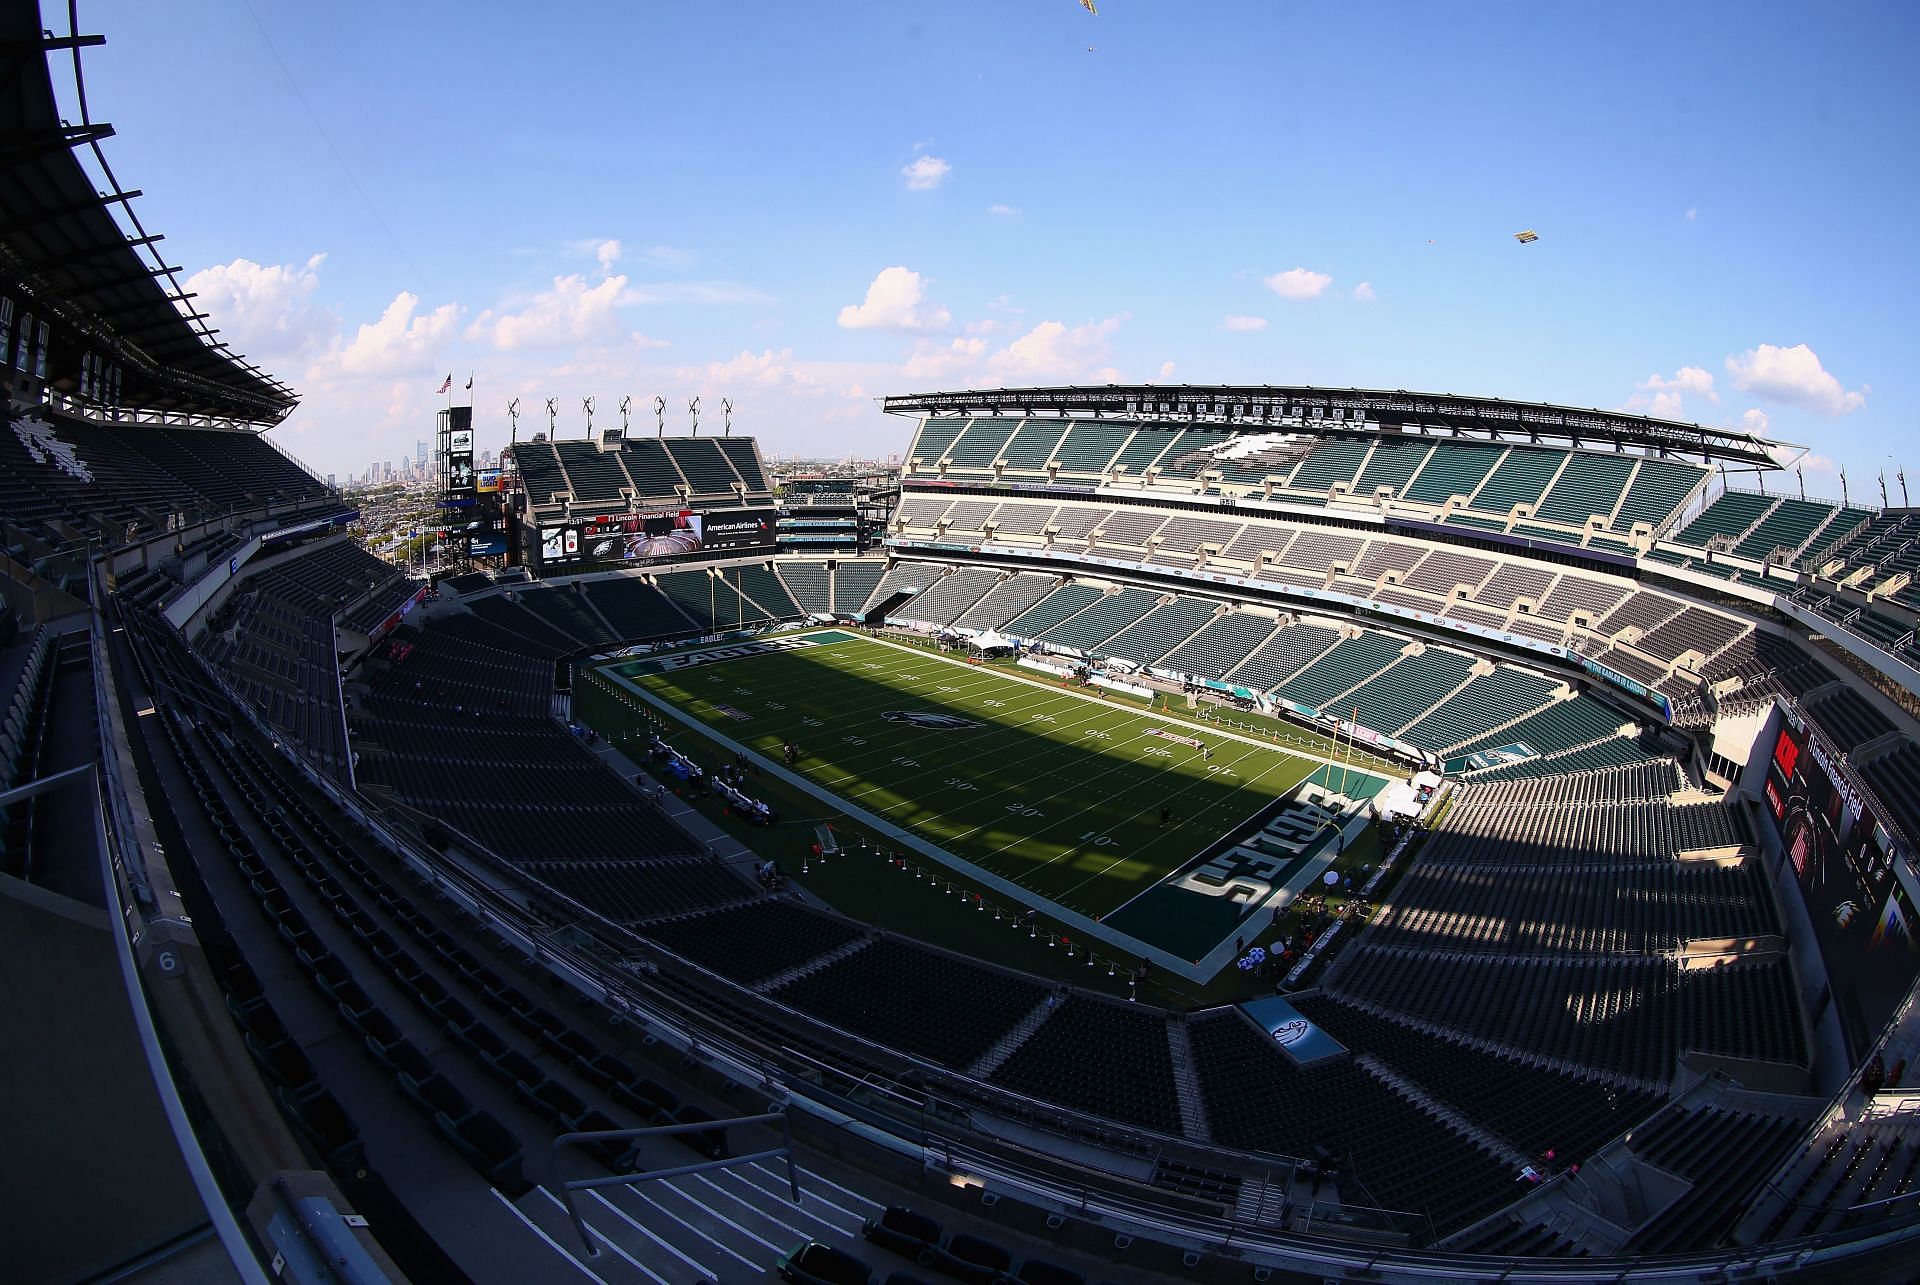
[805,206]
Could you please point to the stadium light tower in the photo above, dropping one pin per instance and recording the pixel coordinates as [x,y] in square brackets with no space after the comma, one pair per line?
[626,403]
[693,409]
[552,415]
[586,404]
[513,422]
[659,417]
[726,409]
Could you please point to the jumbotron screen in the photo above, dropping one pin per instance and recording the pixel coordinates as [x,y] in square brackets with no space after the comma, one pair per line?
[654,537]
[1856,882]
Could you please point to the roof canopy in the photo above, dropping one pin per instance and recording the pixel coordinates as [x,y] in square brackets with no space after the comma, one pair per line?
[1254,407]
[66,259]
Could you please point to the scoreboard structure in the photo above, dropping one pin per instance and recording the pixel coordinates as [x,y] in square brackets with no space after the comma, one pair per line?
[471,524]
[572,545]
[613,501]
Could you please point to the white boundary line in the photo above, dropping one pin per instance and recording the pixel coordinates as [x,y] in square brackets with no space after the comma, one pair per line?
[610,1243]
[649,1233]
[552,1244]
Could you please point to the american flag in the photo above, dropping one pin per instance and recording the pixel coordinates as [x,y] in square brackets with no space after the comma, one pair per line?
[446,383]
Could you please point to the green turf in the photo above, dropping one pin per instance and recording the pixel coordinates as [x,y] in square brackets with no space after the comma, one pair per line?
[1055,792]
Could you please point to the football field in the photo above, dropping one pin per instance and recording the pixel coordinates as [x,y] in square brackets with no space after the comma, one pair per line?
[1048,787]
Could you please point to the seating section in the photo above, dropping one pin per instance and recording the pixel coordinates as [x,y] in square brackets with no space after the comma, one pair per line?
[274,639]
[635,892]
[936,1006]
[636,610]
[1534,1108]
[1629,1015]
[755,941]
[1282,655]
[700,460]
[1545,916]
[1658,490]
[1406,689]
[1855,1168]
[1056,607]
[1589,486]
[808,583]
[1488,908]
[854,580]
[1846,716]
[1383,1149]
[1335,467]
[1132,1078]
[1486,702]
[1895,779]
[126,481]
[596,476]
[947,597]
[523,786]
[1350,662]
[1006,600]
[1152,636]
[1730,514]
[48,727]
[565,611]
[1789,526]
[1726,1153]
[1220,645]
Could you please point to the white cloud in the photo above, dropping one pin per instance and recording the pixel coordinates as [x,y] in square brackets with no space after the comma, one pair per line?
[608,251]
[925,173]
[1755,420]
[691,292]
[265,310]
[1664,397]
[1166,371]
[1233,322]
[399,342]
[1658,405]
[1814,462]
[1793,375]
[1364,292]
[1299,283]
[1687,379]
[766,367]
[571,312]
[935,361]
[1054,350]
[897,300]
[1006,211]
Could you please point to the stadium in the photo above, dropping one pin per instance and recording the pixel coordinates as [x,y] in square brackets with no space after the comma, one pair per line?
[1224,833]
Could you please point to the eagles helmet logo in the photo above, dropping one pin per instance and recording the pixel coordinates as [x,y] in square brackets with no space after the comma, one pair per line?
[931,721]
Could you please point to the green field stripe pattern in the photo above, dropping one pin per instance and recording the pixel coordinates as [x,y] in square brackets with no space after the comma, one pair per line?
[1054,792]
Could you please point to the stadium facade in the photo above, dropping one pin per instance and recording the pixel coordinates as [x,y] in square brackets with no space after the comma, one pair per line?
[342,956]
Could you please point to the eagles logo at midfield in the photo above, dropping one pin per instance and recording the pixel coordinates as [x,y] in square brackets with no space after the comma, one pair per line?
[930,720]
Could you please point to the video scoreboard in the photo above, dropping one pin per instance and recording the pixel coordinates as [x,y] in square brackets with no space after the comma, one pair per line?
[628,539]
